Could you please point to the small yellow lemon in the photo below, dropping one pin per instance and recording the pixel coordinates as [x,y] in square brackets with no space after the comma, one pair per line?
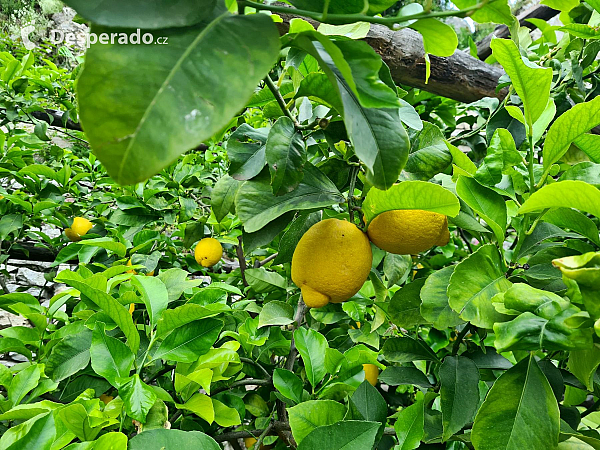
[208,252]
[79,228]
[331,262]
[131,308]
[371,373]
[250,441]
[131,270]
[408,231]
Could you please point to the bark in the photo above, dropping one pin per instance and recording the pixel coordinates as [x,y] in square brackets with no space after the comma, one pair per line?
[535,12]
[460,76]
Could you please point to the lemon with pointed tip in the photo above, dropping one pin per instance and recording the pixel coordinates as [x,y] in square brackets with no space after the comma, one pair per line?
[79,228]
[208,252]
[408,231]
[371,373]
[331,262]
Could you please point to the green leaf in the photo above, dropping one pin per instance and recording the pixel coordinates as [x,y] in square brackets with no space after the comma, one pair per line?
[246,149]
[184,314]
[111,441]
[201,405]
[176,282]
[111,358]
[411,195]
[138,14]
[291,237]
[154,295]
[407,349]
[223,196]
[439,39]
[585,171]
[163,439]
[69,356]
[583,364]
[225,416]
[569,127]
[40,436]
[396,376]
[275,313]
[396,268]
[409,426]
[405,305]
[14,345]
[459,391]
[520,411]
[288,384]
[108,244]
[117,312]
[261,280]
[256,205]
[589,144]
[188,342]
[496,11]
[77,420]
[346,435]
[476,279]
[316,86]
[286,156]
[309,415]
[368,404]
[565,194]
[312,346]
[125,115]
[574,220]
[9,224]
[487,203]
[23,382]
[429,154]
[561,5]
[501,155]
[531,82]
[435,305]
[137,397]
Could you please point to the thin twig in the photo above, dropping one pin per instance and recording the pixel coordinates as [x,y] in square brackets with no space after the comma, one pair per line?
[240,255]
[459,339]
[160,373]
[591,409]
[281,101]
[278,426]
[3,284]
[246,382]
[255,364]
[262,436]
[268,259]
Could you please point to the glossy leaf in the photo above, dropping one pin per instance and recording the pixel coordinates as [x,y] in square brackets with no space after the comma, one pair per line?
[410,425]
[154,295]
[429,154]
[435,306]
[583,364]
[342,435]
[405,305]
[288,384]
[162,439]
[223,196]
[496,11]
[411,195]
[459,391]
[476,279]
[520,411]
[137,397]
[246,148]
[276,313]
[368,404]
[184,314]
[407,349]
[110,358]
[312,345]
[286,156]
[309,415]
[564,194]
[69,356]
[395,376]
[189,341]
[183,88]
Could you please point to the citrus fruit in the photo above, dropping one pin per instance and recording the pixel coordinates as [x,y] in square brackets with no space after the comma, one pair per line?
[408,231]
[79,228]
[371,373]
[131,270]
[208,252]
[250,441]
[331,262]
[106,398]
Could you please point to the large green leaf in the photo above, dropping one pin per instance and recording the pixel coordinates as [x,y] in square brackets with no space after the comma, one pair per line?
[69,356]
[23,382]
[434,300]
[439,39]
[343,6]
[346,435]
[496,11]
[162,439]
[110,357]
[140,14]
[502,154]
[520,411]
[137,397]
[288,384]
[184,314]
[459,378]
[487,203]
[309,415]
[106,243]
[286,156]
[275,313]
[41,435]
[409,426]
[117,312]
[201,405]
[405,305]
[188,342]
[429,154]
[583,364]
[589,144]
[138,125]
[475,280]
[575,221]
[564,194]
[312,346]
[411,195]
[395,376]
[154,295]
[256,205]
[368,404]
[406,349]
[569,127]
[531,82]
[223,196]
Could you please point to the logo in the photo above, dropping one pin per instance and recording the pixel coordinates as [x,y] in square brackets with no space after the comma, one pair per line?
[25,32]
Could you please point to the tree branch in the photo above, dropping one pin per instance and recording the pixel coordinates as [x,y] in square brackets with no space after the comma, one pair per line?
[245,382]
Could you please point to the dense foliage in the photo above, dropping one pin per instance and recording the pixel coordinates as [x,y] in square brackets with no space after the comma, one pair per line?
[250,128]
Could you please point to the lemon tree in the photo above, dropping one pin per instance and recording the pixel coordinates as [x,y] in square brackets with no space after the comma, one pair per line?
[253,232]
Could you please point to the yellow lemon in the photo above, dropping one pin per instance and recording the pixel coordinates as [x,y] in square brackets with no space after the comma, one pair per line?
[250,441]
[79,228]
[131,308]
[131,270]
[371,373]
[408,231]
[331,262]
[208,252]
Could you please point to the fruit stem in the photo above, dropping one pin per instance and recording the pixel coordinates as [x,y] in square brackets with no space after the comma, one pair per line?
[353,176]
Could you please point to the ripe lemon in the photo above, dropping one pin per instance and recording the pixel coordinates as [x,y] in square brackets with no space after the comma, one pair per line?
[331,262]
[250,441]
[79,228]
[371,373]
[408,231]
[208,252]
